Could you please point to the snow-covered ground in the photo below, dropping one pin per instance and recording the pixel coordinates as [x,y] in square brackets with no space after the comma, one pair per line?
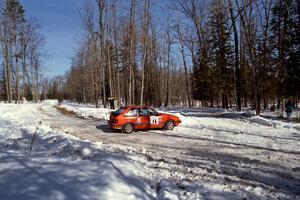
[214,154]
[87,110]
[37,162]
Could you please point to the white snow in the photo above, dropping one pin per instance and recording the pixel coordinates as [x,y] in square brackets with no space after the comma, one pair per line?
[86,111]
[213,154]
[59,166]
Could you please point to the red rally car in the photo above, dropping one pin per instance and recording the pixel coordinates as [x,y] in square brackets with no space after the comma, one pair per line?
[132,118]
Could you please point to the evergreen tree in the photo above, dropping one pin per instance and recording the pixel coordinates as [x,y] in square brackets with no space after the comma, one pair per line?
[292,81]
[221,55]
[213,74]
[2,83]
[27,93]
[286,48]
[202,77]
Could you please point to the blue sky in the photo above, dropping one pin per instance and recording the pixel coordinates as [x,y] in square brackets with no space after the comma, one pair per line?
[60,24]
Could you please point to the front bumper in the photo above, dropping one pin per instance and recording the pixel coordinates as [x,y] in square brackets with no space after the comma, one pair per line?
[177,122]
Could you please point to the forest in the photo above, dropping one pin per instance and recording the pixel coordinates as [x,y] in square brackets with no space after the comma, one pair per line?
[233,53]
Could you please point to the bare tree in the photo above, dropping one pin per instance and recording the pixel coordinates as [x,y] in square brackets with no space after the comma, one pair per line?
[134,60]
[169,43]
[181,41]
[5,46]
[35,43]
[116,48]
[101,9]
[236,57]
[131,92]
[145,44]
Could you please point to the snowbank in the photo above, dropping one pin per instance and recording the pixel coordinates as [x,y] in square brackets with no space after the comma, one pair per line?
[87,110]
[50,101]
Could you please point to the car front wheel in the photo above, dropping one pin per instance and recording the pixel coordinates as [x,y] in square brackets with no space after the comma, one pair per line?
[169,125]
[127,128]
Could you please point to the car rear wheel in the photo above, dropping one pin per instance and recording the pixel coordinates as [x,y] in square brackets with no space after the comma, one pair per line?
[127,128]
[169,125]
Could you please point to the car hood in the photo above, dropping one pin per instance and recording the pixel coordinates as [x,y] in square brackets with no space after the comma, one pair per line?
[170,116]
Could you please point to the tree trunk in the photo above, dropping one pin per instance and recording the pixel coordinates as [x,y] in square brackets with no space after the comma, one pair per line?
[32,79]
[145,46]
[8,74]
[17,81]
[168,68]
[252,54]
[110,75]
[185,73]
[131,70]
[116,51]
[37,96]
[101,7]
[24,71]
[236,55]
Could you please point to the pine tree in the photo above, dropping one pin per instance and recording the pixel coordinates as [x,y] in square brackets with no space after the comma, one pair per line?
[202,77]
[2,82]
[286,48]
[220,50]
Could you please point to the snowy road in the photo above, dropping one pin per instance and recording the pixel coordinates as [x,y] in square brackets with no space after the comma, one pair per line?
[211,155]
[250,157]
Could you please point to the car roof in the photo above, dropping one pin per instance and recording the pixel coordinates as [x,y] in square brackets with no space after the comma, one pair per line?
[136,107]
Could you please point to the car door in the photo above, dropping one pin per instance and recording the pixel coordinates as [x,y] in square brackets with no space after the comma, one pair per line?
[143,121]
[154,118]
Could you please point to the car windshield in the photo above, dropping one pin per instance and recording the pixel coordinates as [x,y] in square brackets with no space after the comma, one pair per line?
[118,111]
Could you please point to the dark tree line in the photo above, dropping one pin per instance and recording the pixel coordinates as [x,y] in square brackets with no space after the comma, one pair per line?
[125,54]
[249,52]
[234,52]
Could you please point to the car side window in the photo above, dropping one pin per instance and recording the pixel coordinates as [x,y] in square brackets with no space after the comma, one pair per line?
[143,112]
[151,112]
[132,112]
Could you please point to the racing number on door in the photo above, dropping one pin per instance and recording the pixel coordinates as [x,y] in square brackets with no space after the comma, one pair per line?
[154,120]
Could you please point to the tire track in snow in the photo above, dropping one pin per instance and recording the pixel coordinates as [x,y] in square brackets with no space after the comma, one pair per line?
[196,153]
